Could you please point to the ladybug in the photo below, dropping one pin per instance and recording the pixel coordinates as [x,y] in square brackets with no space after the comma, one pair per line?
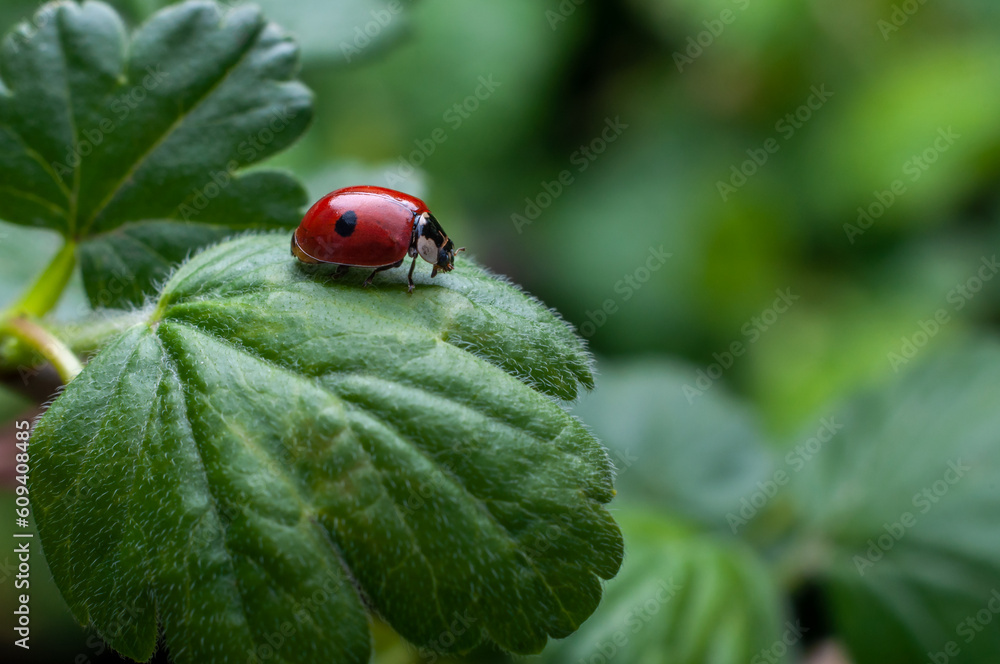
[374,227]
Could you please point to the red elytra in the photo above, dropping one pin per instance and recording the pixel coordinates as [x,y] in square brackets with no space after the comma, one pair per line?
[368,226]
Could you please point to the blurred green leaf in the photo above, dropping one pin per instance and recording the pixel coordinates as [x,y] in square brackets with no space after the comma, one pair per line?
[345,31]
[121,266]
[270,436]
[846,329]
[900,125]
[900,510]
[337,174]
[98,130]
[695,456]
[481,67]
[682,598]
[16,11]
[737,29]
[656,307]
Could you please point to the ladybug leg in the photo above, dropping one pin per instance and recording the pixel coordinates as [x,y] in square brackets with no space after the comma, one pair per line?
[412,265]
[341,271]
[368,281]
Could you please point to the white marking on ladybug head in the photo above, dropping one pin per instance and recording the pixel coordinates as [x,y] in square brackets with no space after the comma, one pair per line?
[426,247]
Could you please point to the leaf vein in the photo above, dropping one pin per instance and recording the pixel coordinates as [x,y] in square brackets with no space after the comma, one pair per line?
[34,198]
[133,169]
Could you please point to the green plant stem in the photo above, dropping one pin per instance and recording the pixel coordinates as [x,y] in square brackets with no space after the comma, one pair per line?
[21,335]
[30,332]
[44,294]
[82,337]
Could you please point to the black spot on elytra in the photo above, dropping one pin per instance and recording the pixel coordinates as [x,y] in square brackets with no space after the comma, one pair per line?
[346,223]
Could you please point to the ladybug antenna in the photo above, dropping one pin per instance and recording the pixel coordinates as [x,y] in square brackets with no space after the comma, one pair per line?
[459,250]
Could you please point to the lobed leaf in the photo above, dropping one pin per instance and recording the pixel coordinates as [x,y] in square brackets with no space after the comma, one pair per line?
[272,451]
[99,129]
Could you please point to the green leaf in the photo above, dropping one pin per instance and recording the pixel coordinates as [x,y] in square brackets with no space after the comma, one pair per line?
[345,31]
[99,129]
[683,598]
[122,265]
[693,454]
[902,505]
[272,450]
[693,457]
[877,134]
[408,93]
[330,33]
[676,20]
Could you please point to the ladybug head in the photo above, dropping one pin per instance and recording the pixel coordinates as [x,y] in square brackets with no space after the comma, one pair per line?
[433,245]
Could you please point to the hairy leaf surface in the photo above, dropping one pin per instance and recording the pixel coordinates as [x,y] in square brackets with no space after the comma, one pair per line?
[99,129]
[273,449]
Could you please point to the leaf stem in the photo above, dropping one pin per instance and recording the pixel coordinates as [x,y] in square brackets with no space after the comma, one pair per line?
[19,323]
[32,333]
[44,294]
